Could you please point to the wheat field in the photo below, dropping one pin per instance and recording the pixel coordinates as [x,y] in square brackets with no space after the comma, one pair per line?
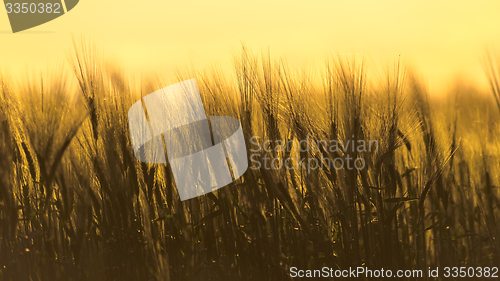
[75,204]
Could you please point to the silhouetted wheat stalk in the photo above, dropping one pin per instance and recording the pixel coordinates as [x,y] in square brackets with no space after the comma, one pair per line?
[75,204]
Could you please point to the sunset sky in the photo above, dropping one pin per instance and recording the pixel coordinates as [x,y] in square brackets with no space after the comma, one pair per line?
[443,40]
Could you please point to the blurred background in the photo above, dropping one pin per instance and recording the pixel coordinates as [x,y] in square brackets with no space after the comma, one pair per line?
[443,39]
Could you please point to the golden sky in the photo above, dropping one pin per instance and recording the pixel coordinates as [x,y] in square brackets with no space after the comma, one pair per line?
[442,39]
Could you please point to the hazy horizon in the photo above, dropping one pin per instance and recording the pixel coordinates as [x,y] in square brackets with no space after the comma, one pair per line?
[443,42]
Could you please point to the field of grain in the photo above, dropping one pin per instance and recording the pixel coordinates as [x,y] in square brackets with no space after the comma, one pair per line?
[75,204]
